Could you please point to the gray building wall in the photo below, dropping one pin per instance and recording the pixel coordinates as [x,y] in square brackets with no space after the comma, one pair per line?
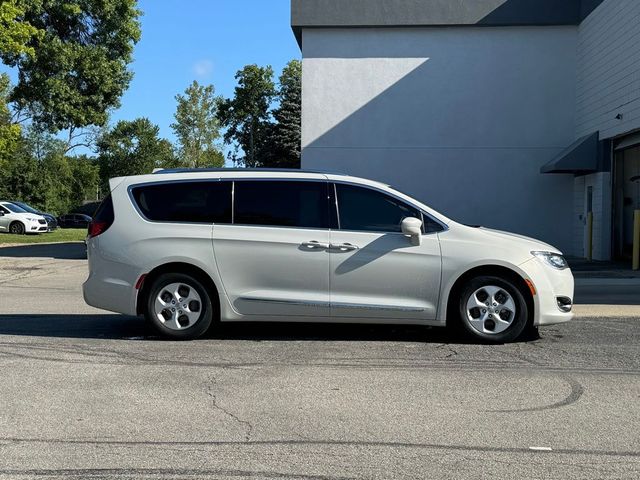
[608,78]
[460,117]
[607,84]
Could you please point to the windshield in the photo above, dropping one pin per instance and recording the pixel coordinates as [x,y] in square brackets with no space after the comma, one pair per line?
[25,207]
[14,208]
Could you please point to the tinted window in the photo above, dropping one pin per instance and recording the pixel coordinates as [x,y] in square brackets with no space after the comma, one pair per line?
[198,202]
[104,213]
[363,209]
[26,207]
[281,203]
[15,208]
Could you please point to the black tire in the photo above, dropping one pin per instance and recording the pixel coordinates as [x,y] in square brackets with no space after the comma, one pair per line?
[17,228]
[207,310]
[518,320]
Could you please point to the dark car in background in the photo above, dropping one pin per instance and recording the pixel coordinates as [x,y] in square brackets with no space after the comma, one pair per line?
[74,220]
[52,221]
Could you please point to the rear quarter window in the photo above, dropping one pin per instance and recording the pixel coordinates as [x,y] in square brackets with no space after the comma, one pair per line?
[185,202]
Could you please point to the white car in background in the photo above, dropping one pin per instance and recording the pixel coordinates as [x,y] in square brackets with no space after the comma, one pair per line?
[187,248]
[17,220]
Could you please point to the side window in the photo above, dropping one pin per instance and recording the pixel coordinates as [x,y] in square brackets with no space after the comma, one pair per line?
[364,209]
[281,203]
[189,202]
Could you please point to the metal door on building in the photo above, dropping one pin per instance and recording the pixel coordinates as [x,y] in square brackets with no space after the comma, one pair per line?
[626,193]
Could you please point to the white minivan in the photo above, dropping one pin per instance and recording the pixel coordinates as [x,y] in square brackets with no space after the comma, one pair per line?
[187,248]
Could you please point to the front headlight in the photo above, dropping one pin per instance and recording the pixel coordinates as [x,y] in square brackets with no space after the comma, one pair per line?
[32,219]
[554,260]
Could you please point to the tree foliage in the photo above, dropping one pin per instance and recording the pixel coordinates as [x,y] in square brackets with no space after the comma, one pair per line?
[40,174]
[16,34]
[286,136]
[133,148]
[9,132]
[197,127]
[247,116]
[73,68]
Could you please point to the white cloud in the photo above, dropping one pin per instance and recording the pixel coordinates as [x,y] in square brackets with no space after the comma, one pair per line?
[203,68]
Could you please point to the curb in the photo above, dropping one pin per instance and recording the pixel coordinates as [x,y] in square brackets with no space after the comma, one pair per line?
[34,244]
[593,281]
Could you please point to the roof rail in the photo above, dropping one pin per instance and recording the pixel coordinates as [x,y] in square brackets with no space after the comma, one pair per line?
[237,169]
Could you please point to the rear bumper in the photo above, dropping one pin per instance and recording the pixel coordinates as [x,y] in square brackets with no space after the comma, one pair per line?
[110,285]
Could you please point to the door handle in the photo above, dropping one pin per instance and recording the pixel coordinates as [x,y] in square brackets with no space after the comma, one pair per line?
[314,244]
[343,247]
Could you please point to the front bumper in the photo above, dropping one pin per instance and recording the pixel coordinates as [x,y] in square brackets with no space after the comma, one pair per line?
[554,292]
[36,228]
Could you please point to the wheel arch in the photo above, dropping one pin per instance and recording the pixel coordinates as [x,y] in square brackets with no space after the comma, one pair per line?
[177,267]
[483,270]
[13,222]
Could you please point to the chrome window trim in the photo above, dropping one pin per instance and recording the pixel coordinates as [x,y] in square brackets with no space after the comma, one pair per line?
[280,179]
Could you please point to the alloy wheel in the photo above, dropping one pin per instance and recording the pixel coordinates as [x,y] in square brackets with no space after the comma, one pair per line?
[178,306]
[491,310]
[17,228]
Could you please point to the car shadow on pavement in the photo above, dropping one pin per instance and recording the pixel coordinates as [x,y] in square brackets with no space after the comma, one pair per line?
[122,327]
[62,251]
[107,326]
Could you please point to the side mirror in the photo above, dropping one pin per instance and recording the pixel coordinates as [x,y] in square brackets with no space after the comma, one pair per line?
[413,227]
[1,214]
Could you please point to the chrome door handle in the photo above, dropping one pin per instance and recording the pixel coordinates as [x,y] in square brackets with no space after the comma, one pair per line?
[314,244]
[343,247]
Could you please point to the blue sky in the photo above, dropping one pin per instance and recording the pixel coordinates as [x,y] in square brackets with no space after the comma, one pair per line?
[208,41]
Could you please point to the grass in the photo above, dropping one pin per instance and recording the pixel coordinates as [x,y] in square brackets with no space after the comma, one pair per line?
[59,235]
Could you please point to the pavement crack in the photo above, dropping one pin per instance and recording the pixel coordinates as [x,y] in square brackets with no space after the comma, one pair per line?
[452,352]
[214,401]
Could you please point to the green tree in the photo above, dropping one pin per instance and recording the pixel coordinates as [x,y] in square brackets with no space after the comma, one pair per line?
[286,136]
[71,74]
[197,127]
[50,190]
[85,179]
[15,32]
[9,132]
[133,148]
[38,172]
[20,179]
[247,116]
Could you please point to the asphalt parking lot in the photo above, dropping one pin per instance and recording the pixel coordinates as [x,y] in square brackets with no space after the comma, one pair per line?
[88,394]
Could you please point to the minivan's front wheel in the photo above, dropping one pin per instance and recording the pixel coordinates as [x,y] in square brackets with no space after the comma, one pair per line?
[493,309]
[179,306]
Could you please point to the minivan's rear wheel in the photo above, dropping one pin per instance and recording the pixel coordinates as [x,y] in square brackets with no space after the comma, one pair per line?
[493,309]
[16,228]
[179,306]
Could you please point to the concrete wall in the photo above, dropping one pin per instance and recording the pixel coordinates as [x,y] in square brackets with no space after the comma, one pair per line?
[601,185]
[608,79]
[462,118]
[607,84]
